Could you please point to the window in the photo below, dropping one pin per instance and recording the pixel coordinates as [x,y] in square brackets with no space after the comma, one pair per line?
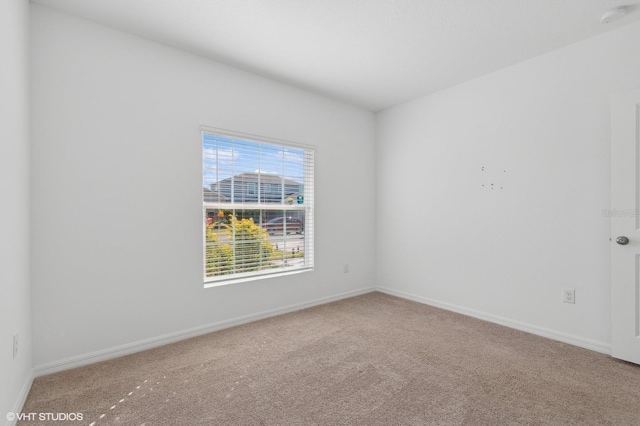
[257,207]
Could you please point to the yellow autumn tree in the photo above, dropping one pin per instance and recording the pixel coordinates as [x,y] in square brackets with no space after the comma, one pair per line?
[252,250]
[219,257]
[248,248]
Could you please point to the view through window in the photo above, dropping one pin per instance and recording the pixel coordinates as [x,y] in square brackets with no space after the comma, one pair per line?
[258,207]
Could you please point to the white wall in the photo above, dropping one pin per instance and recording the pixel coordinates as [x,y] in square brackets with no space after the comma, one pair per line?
[117,188]
[15,299]
[541,130]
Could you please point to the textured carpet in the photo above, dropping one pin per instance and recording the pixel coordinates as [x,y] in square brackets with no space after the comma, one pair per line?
[368,360]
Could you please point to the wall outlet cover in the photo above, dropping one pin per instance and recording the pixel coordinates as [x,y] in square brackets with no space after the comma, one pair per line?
[569,295]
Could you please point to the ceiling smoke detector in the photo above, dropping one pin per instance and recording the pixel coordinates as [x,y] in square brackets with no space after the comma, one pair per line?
[613,14]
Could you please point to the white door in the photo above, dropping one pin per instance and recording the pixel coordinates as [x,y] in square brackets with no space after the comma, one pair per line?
[625,224]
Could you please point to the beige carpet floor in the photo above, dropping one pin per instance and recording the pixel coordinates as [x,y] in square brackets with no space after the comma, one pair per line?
[368,360]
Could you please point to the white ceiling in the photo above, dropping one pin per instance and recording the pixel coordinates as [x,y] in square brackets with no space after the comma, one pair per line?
[371,53]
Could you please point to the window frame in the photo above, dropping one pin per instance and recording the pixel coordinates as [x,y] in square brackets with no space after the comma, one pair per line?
[307,208]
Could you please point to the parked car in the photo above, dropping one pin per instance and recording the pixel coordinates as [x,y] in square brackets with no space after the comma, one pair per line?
[278,225]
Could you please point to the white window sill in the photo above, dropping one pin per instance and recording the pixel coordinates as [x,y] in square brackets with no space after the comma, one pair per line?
[241,279]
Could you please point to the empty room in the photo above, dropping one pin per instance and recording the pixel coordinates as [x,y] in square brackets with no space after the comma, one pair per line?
[292,212]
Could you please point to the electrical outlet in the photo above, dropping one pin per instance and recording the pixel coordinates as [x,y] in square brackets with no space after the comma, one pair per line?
[15,345]
[569,295]
[345,268]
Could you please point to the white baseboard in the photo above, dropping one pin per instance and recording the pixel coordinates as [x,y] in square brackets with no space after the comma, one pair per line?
[127,349]
[154,342]
[22,397]
[593,345]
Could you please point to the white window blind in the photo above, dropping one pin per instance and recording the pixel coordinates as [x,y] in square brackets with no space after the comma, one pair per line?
[257,207]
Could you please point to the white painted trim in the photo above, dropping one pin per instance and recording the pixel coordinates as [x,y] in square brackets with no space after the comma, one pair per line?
[154,342]
[216,131]
[22,398]
[251,276]
[593,345]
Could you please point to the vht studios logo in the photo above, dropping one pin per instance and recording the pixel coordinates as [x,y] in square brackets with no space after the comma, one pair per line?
[45,417]
[620,213]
